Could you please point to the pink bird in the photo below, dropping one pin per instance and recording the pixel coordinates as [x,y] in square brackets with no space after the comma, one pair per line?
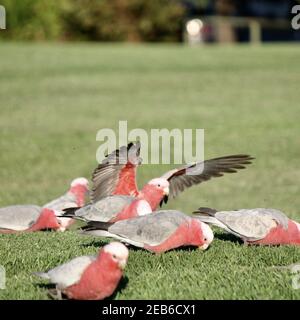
[158,232]
[90,277]
[116,175]
[254,226]
[74,197]
[27,218]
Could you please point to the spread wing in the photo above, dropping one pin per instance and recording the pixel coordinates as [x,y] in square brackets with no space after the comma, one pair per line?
[190,175]
[117,173]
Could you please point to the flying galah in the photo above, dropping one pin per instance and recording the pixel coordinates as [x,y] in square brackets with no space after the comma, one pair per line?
[90,277]
[158,232]
[254,226]
[110,209]
[74,197]
[116,175]
[27,218]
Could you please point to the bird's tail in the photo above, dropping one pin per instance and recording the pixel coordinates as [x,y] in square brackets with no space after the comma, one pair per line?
[204,210]
[97,228]
[70,211]
[97,225]
[207,215]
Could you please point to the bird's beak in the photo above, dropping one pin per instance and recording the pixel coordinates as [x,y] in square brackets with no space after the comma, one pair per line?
[122,264]
[204,246]
[165,199]
[58,213]
[166,191]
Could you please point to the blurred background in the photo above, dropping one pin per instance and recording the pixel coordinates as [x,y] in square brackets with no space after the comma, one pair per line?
[153,21]
[72,67]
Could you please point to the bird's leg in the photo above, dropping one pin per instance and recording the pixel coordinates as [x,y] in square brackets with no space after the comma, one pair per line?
[55,294]
[246,243]
[59,296]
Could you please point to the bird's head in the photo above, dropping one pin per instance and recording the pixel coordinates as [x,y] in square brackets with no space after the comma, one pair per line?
[206,235]
[156,191]
[118,253]
[80,188]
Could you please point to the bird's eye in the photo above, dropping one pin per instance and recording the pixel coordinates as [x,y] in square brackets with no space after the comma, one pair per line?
[158,185]
[205,239]
[114,256]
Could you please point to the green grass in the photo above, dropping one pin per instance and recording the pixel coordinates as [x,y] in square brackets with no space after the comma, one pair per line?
[55,97]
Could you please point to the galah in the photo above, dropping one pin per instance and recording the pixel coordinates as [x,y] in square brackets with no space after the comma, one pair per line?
[110,209]
[116,175]
[158,232]
[74,197]
[254,226]
[90,277]
[27,218]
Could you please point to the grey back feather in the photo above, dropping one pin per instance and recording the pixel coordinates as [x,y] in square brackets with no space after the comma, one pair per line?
[104,209]
[152,229]
[249,224]
[19,217]
[68,273]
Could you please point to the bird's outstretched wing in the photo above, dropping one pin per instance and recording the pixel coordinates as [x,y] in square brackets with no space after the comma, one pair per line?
[193,174]
[117,173]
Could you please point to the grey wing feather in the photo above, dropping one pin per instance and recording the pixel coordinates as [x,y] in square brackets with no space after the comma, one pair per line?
[104,209]
[67,200]
[70,272]
[106,175]
[190,175]
[19,217]
[252,224]
[106,234]
[152,229]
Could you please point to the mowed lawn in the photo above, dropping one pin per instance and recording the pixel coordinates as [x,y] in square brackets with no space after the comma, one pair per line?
[55,97]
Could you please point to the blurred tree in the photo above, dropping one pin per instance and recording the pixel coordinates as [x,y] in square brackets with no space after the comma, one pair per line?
[32,19]
[124,20]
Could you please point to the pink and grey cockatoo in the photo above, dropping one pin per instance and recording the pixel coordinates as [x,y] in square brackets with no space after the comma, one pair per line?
[110,209]
[28,218]
[254,226]
[116,175]
[90,277]
[74,197]
[158,232]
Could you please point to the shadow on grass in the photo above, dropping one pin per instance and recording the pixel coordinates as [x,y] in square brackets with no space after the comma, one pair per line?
[45,285]
[121,286]
[137,249]
[50,287]
[97,244]
[228,237]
